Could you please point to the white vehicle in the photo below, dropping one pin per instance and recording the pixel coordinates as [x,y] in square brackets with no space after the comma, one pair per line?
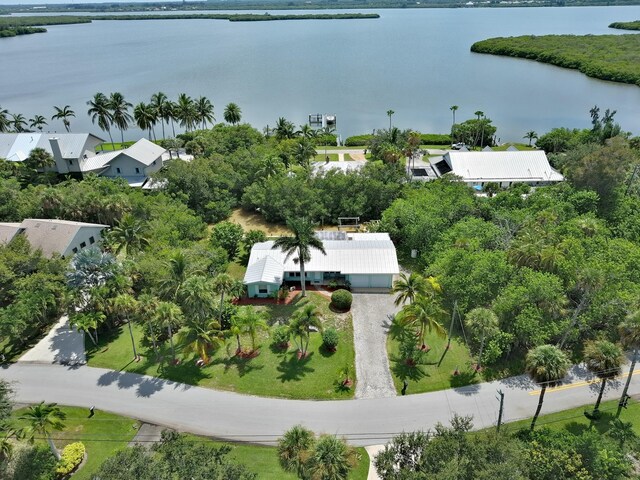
[458,146]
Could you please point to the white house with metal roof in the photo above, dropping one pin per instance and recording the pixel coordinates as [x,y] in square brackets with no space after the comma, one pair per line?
[477,169]
[54,236]
[364,260]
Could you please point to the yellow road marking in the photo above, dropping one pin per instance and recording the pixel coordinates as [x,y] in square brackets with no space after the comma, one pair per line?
[578,384]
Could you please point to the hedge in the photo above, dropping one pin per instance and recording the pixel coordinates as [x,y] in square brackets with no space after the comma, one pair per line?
[71,457]
[358,140]
[435,139]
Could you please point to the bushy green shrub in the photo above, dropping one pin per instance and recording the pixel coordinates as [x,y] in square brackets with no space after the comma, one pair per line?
[358,140]
[330,338]
[280,336]
[341,299]
[435,139]
[326,139]
[71,457]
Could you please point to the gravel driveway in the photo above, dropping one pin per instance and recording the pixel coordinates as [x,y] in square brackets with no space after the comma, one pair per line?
[370,324]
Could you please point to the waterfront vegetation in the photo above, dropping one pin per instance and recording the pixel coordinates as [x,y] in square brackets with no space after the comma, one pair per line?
[626,25]
[607,57]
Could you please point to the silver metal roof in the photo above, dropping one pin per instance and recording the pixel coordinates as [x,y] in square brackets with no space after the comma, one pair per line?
[267,270]
[144,151]
[16,147]
[8,231]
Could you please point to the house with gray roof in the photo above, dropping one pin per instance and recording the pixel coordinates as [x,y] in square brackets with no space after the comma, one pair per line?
[61,237]
[364,260]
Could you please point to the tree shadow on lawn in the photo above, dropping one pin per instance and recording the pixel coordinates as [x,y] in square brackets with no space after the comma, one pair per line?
[407,372]
[241,364]
[294,369]
[325,352]
[465,383]
[602,424]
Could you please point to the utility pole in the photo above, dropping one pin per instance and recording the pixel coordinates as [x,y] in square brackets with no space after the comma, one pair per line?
[501,398]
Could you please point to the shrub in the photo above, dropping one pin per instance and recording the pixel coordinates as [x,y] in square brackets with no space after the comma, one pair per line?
[341,299]
[327,139]
[280,336]
[358,140]
[435,139]
[330,339]
[72,456]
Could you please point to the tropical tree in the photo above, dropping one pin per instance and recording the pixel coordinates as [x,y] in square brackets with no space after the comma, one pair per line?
[301,321]
[294,449]
[223,284]
[19,122]
[5,123]
[87,321]
[204,111]
[146,117]
[546,365]
[100,113]
[629,330]
[38,121]
[119,110]
[248,320]
[146,315]
[307,132]
[42,419]
[169,315]
[300,245]
[530,135]
[604,359]
[177,273]
[201,340]
[39,159]
[304,152]
[185,111]
[390,114]
[481,322]
[128,235]
[91,267]
[232,114]
[331,459]
[196,300]
[408,287]
[64,114]
[479,114]
[126,306]
[162,106]
[453,109]
[284,129]
[424,313]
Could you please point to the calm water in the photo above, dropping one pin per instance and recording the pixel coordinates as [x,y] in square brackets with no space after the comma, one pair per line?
[416,62]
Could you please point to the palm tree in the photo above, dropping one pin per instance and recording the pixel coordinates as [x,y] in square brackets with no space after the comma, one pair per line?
[85,322]
[201,340]
[546,365]
[39,159]
[481,321]
[284,129]
[42,419]
[99,112]
[408,287]
[270,167]
[223,283]
[64,114]
[424,313]
[146,311]
[19,122]
[530,135]
[126,306]
[453,109]
[232,114]
[196,300]
[204,111]
[248,320]
[301,321]
[307,132]
[185,111]
[169,315]
[629,330]
[390,114]
[478,113]
[178,269]
[128,235]
[300,244]
[331,459]
[119,109]
[294,449]
[5,123]
[146,117]
[38,121]
[160,103]
[304,152]
[604,359]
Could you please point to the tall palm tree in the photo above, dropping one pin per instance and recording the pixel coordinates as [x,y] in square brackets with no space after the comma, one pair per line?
[390,114]
[64,114]
[99,112]
[304,152]
[204,111]
[126,306]
[119,109]
[5,123]
[270,167]
[247,320]
[301,321]
[177,273]
[408,287]
[284,129]
[307,132]
[604,359]
[530,135]
[169,315]
[146,311]
[42,419]
[300,245]
[223,284]
[453,109]
[38,121]
[424,313]
[196,300]
[232,114]
[629,330]
[481,322]
[128,235]
[162,106]
[185,111]
[146,117]
[294,449]
[478,113]
[546,365]
[19,122]
[85,322]
[331,459]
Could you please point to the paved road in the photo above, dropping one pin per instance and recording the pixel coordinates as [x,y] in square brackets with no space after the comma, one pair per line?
[370,325]
[62,344]
[241,417]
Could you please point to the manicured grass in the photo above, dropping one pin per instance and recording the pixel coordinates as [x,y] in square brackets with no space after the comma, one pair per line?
[431,377]
[273,372]
[321,157]
[94,433]
[236,270]
[108,147]
[519,146]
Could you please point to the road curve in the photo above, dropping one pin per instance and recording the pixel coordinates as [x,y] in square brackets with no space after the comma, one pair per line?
[239,417]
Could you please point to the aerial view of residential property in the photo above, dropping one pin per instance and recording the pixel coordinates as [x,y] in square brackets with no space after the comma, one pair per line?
[320,240]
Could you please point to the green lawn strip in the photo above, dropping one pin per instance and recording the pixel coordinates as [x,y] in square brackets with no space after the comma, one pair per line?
[321,157]
[273,373]
[236,270]
[109,147]
[102,435]
[520,146]
[435,147]
[431,377]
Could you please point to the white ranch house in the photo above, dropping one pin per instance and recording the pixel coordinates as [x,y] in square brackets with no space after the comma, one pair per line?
[365,260]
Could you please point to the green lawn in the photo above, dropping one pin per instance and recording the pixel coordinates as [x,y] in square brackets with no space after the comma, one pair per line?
[93,432]
[236,270]
[321,157]
[272,373]
[108,146]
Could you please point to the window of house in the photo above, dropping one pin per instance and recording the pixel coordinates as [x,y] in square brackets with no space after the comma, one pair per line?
[262,289]
[70,162]
[137,170]
[118,170]
[154,162]
[92,240]
[83,244]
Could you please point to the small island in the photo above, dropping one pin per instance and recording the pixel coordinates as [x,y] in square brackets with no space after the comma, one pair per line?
[626,25]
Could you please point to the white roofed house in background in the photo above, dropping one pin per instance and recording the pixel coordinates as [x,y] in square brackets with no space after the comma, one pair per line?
[477,169]
[54,236]
[364,260]
[135,163]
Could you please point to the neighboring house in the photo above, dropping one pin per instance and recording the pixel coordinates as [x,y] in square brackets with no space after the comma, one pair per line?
[364,260]
[477,169]
[134,164]
[54,236]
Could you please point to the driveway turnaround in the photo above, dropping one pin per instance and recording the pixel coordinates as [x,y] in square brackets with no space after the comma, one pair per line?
[238,417]
[370,324]
[62,344]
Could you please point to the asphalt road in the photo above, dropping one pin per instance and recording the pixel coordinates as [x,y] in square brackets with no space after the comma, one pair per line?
[246,418]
